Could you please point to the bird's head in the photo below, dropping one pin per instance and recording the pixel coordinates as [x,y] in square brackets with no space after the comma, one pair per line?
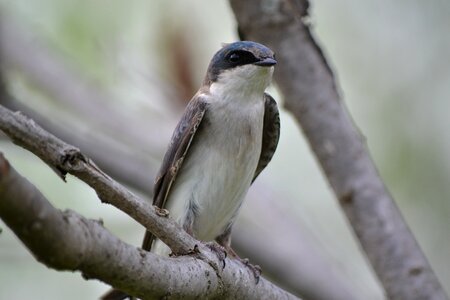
[241,65]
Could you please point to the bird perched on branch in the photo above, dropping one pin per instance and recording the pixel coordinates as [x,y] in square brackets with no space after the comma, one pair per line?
[225,138]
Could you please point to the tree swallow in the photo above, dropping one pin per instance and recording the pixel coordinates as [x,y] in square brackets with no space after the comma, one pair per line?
[225,138]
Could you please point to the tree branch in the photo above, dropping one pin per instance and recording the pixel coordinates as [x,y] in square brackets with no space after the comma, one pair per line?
[121,163]
[65,158]
[68,241]
[309,89]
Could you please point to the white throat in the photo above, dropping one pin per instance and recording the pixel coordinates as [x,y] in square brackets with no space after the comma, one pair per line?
[245,81]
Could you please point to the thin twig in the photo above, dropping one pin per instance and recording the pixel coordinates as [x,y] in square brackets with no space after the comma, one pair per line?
[65,158]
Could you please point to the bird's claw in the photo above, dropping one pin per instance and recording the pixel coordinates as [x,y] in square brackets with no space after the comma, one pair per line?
[256,270]
[219,251]
[194,251]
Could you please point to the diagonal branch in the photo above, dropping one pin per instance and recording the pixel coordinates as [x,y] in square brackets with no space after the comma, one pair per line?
[65,158]
[310,93]
[68,241]
[122,164]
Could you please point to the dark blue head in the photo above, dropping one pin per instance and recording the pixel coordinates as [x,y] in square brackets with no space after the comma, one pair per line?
[239,54]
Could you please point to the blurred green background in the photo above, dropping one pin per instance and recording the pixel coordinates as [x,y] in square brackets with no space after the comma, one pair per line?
[393,68]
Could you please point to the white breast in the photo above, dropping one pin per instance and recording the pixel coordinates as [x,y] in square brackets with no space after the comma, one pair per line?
[219,169]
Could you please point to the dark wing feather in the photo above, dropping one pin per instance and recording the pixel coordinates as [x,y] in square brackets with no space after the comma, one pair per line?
[271,133]
[181,140]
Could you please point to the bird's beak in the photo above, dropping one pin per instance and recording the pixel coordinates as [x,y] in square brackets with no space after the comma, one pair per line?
[266,62]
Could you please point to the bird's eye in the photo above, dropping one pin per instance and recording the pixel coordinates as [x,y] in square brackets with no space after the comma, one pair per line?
[234,57]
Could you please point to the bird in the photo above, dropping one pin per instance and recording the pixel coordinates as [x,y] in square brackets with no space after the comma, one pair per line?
[227,135]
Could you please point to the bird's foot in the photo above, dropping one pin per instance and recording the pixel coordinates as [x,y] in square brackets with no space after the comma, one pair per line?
[194,251]
[256,270]
[219,251]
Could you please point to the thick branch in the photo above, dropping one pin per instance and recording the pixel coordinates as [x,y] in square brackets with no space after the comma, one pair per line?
[308,86]
[68,241]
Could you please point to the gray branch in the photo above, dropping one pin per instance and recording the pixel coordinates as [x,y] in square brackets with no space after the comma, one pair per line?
[64,158]
[122,164]
[68,241]
[310,93]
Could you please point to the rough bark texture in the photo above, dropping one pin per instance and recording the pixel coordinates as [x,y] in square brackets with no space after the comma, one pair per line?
[68,241]
[310,94]
[65,158]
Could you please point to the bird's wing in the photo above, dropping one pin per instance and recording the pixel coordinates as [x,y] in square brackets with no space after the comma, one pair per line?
[173,160]
[271,133]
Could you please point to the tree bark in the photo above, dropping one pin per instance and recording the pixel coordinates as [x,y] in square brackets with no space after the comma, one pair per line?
[64,158]
[68,241]
[309,89]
